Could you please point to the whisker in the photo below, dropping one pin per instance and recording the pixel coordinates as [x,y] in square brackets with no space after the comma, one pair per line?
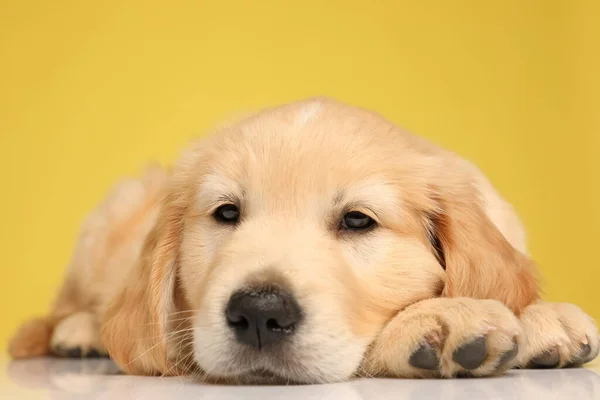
[181,312]
[169,320]
[144,353]
[168,335]
[183,341]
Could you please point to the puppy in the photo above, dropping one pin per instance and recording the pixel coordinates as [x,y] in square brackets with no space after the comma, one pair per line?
[313,242]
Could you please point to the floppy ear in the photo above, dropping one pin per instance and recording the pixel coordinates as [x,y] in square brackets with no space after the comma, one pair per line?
[479,261]
[135,323]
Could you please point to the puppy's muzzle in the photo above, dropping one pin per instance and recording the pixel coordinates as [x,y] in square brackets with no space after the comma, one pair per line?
[264,317]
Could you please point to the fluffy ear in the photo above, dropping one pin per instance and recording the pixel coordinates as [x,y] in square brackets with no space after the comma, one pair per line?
[135,323]
[479,261]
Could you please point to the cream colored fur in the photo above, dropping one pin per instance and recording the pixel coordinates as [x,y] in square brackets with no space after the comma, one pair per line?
[152,270]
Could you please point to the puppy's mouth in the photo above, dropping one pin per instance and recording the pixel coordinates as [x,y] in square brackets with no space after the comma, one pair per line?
[265,376]
[260,376]
[270,365]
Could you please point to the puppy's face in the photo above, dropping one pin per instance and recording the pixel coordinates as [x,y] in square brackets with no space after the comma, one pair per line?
[299,243]
[288,241]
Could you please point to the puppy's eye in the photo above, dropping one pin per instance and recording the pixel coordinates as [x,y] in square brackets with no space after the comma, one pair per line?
[227,213]
[357,221]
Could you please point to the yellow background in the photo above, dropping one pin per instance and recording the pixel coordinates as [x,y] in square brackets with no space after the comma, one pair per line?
[90,90]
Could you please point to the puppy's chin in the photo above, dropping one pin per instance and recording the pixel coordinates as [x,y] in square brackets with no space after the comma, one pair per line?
[254,377]
[270,369]
[309,360]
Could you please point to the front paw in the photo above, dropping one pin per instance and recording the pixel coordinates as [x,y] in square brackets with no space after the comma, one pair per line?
[559,335]
[77,336]
[449,337]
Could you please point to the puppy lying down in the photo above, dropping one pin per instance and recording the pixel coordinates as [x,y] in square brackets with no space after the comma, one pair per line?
[313,242]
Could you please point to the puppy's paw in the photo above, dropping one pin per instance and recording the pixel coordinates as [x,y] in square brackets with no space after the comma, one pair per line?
[558,335]
[448,337]
[77,336]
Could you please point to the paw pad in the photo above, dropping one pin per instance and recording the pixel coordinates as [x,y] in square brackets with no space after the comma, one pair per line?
[77,352]
[548,359]
[425,357]
[509,355]
[585,350]
[472,354]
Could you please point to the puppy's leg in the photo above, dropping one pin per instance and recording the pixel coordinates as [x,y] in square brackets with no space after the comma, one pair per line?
[108,245]
[77,336]
[32,339]
[558,335]
[447,337]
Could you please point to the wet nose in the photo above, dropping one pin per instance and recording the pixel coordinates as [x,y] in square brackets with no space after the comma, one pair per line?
[262,318]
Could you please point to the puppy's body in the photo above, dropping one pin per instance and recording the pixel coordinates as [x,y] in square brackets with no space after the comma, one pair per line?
[109,245]
[430,289]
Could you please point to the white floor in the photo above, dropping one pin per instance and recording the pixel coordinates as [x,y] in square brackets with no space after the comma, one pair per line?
[99,379]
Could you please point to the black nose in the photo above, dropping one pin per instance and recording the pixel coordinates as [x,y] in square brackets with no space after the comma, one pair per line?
[262,318]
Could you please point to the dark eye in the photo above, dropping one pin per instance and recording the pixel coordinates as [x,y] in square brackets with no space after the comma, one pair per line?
[357,221]
[227,213]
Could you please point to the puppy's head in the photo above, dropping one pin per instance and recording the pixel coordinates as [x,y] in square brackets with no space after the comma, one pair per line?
[287,241]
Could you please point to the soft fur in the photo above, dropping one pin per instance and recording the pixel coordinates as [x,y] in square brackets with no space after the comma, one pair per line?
[152,270]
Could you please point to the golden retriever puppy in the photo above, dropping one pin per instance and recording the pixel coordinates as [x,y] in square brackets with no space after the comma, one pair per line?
[312,242]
